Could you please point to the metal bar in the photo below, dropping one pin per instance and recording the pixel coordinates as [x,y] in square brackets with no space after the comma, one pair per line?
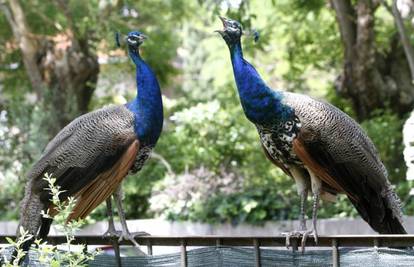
[256,245]
[376,242]
[335,253]
[117,250]
[149,248]
[265,241]
[183,253]
[218,242]
[295,244]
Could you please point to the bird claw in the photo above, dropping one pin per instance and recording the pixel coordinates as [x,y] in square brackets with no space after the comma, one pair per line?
[304,234]
[125,235]
[291,234]
[140,233]
[112,233]
[131,236]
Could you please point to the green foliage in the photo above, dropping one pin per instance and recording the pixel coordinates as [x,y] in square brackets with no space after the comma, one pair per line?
[385,130]
[21,137]
[24,236]
[49,254]
[209,165]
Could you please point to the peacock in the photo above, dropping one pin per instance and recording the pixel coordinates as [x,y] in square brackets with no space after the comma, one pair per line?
[324,150]
[92,155]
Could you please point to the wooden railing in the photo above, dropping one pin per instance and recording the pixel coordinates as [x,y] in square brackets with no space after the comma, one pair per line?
[333,241]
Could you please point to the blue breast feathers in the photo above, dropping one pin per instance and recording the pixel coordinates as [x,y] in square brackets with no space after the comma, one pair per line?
[147,106]
[261,104]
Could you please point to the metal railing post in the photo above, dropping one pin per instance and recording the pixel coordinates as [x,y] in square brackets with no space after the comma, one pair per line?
[335,253]
[256,245]
[149,248]
[376,242]
[218,242]
[183,253]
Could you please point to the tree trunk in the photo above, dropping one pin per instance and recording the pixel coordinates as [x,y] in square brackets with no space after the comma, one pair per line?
[370,79]
[71,73]
[62,70]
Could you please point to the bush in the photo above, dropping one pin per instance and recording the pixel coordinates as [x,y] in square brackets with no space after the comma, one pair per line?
[49,254]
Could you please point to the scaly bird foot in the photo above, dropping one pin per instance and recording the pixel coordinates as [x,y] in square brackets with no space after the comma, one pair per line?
[140,233]
[112,233]
[305,236]
[301,233]
[123,235]
[289,235]
[126,235]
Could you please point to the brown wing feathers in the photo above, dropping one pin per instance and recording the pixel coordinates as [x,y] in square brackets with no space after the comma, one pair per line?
[320,171]
[104,184]
[348,177]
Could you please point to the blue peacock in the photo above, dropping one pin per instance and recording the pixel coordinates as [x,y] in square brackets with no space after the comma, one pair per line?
[92,155]
[320,147]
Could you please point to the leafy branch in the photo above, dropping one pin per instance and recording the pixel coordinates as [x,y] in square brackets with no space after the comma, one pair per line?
[49,254]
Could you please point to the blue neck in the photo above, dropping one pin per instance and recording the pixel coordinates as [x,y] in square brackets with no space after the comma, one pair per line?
[261,104]
[147,105]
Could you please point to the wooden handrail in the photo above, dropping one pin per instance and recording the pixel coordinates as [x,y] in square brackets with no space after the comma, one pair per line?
[264,241]
[333,241]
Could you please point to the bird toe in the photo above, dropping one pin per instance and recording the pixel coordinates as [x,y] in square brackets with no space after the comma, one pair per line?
[140,233]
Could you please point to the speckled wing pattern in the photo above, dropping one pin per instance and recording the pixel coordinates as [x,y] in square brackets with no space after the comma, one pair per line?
[98,146]
[104,184]
[335,147]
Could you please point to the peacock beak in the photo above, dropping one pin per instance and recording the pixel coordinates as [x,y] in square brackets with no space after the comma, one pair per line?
[142,37]
[223,20]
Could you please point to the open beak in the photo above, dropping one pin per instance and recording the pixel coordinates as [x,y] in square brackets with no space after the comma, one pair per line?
[142,37]
[224,21]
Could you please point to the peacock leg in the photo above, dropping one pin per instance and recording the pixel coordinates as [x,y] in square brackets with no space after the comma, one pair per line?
[316,185]
[302,219]
[302,186]
[111,232]
[111,226]
[125,232]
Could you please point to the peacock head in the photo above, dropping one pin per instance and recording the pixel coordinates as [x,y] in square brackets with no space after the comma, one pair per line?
[232,31]
[134,39]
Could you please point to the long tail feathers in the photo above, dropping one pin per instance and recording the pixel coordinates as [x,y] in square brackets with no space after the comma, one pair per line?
[30,218]
[381,215]
[30,214]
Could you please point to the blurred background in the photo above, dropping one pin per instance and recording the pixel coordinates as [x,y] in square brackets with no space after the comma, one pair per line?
[58,60]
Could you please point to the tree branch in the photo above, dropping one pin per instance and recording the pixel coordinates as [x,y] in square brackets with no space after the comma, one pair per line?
[8,15]
[408,48]
[163,162]
[63,6]
[28,46]
[365,40]
[345,15]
